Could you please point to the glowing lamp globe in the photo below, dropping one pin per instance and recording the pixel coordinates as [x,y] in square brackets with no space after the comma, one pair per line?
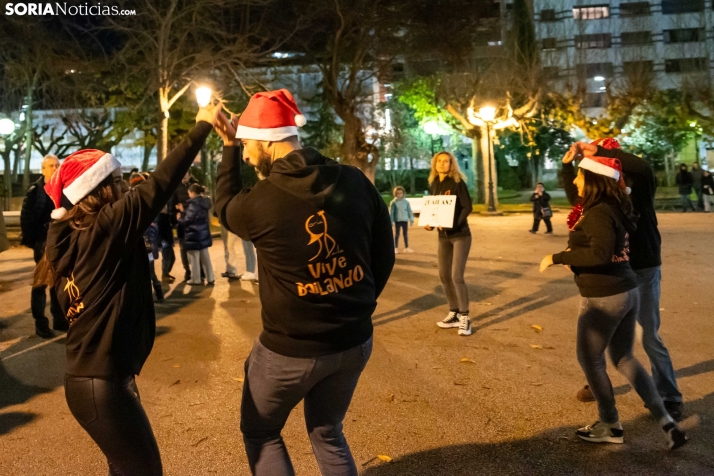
[7,127]
[203,96]
[487,113]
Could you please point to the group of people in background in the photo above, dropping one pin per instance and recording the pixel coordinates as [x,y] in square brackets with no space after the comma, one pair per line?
[699,181]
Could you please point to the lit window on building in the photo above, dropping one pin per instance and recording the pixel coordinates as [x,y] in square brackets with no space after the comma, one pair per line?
[548,15]
[597,40]
[628,38]
[683,35]
[685,65]
[592,12]
[682,6]
[634,9]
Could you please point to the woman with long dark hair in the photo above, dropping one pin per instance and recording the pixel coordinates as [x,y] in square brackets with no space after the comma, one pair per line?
[455,242]
[96,249]
[598,254]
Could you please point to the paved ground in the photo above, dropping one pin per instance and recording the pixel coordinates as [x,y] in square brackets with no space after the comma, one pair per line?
[510,409]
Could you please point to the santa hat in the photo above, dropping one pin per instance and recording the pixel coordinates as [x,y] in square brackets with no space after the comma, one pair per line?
[77,176]
[270,116]
[605,166]
[607,143]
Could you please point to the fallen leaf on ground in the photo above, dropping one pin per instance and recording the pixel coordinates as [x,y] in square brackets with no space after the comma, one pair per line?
[385,458]
[661,309]
[536,346]
[176,382]
[465,360]
[200,441]
[461,382]
[238,379]
[176,366]
[537,327]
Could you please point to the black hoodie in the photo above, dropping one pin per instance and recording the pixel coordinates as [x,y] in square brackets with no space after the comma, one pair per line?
[325,249]
[102,273]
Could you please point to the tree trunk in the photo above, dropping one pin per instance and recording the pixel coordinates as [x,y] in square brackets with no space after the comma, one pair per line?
[412,177]
[487,146]
[16,164]
[7,180]
[476,156]
[162,145]
[28,141]
[147,156]
[356,150]
[667,170]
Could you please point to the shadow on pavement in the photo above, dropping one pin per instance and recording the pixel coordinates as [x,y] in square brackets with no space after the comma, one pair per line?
[558,451]
[11,420]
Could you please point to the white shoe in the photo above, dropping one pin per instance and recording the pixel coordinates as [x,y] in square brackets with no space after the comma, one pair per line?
[396,251]
[600,432]
[451,320]
[248,277]
[464,324]
[408,250]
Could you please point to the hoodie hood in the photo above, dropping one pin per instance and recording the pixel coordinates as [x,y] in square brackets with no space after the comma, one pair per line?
[306,174]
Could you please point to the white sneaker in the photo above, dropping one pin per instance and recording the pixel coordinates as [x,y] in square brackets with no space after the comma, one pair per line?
[451,320]
[247,277]
[464,324]
[396,251]
[600,432]
[408,250]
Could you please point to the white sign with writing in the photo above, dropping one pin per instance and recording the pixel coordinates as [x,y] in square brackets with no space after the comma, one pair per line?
[438,210]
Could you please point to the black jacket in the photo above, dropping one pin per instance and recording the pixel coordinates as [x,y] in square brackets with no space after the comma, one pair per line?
[645,241]
[708,185]
[102,273]
[697,176]
[599,252]
[35,215]
[685,181]
[325,249]
[463,206]
[195,223]
[539,203]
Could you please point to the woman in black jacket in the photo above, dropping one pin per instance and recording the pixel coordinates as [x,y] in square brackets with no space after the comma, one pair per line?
[541,209]
[598,254]
[97,251]
[685,183]
[455,242]
[197,233]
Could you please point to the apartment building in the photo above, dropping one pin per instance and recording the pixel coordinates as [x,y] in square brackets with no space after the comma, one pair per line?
[596,45]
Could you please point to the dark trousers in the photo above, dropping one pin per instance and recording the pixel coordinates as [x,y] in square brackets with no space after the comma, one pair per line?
[111,412]
[166,239]
[401,225]
[38,300]
[700,198]
[158,290]
[184,256]
[275,384]
[536,224]
[686,202]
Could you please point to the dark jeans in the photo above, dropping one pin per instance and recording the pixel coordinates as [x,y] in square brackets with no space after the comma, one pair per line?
[700,198]
[648,282]
[452,255]
[548,225]
[275,384]
[166,240]
[38,300]
[609,323]
[184,256]
[686,202]
[155,283]
[401,225]
[111,412]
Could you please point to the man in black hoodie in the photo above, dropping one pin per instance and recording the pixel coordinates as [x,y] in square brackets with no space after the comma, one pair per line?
[325,251]
[645,259]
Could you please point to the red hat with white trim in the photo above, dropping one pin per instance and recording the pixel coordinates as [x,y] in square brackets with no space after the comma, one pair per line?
[77,176]
[270,116]
[605,166]
[607,143]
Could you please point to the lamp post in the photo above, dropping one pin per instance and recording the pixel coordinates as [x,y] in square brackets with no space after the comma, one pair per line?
[488,114]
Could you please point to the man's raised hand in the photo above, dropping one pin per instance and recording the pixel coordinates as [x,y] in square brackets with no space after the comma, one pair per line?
[226,129]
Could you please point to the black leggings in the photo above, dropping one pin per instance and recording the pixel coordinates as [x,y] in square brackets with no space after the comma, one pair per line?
[111,412]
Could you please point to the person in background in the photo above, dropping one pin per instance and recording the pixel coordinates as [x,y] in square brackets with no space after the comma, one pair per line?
[165,242]
[707,190]
[4,242]
[455,242]
[150,241]
[645,259]
[400,211]
[178,203]
[197,233]
[34,222]
[697,175]
[229,245]
[541,209]
[685,183]
[598,254]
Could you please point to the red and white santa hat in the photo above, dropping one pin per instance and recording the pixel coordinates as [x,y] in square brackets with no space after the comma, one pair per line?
[270,116]
[605,166]
[607,143]
[77,176]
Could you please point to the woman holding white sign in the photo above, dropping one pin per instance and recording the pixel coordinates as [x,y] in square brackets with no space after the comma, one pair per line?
[454,241]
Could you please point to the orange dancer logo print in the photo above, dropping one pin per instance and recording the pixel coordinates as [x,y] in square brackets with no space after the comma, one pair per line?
[316,227]
[76,306]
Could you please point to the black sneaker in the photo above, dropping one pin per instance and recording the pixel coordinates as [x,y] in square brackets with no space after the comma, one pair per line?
[600,432]
[229,275]
[675,437]
[675,410]
[533,232]
[167,278]
[45,333]
[451,320]
[548,232]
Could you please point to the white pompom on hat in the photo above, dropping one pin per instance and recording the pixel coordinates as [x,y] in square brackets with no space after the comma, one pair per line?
[270,116]
[77,176]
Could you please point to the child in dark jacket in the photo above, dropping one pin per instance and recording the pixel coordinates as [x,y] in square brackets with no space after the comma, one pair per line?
[197,233]
[541,209]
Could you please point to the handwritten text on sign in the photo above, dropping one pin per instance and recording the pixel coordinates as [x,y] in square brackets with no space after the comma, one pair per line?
[438,210]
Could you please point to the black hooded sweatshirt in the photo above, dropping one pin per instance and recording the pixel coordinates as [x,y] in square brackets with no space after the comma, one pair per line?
[325,249]
[102,273]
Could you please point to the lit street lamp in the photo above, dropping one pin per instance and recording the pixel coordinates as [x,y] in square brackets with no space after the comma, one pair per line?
[203,96]
[433,128]
[7,127]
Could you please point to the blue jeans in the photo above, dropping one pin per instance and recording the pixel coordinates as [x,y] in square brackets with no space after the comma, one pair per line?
[401,225]
[609,323]
[275,384]
[686,202]
[662,370]
[249,252]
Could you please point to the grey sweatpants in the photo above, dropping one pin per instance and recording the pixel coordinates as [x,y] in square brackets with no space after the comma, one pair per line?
[452,256]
